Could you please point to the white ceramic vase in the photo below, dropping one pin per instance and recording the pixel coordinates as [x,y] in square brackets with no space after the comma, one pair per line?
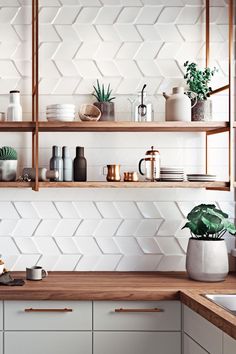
[8,170]
[207,260]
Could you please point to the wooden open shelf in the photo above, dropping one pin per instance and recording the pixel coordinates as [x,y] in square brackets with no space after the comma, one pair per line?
[16,184]
[119,126]
[218,185]
[17,126]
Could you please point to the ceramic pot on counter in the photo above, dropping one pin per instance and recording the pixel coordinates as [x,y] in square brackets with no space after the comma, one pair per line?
[207,260]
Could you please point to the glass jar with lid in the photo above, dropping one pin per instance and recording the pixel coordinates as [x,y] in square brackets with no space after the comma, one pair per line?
[143,108]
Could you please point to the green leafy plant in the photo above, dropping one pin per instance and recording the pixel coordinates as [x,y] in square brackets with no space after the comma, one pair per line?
[206,222]
[103,94]
[198,80]
[8,153]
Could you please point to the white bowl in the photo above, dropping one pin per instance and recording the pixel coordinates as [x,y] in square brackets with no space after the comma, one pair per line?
[61,106]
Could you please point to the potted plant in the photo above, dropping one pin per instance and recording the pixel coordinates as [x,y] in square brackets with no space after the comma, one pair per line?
[8,164]
[104,101]
[198,81]
[207,256]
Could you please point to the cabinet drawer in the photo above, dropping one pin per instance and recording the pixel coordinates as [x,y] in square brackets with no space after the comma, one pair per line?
[229,345]
[137,343]
[48,315]
[48,343]
[191,347]
[202,331]
[106,317]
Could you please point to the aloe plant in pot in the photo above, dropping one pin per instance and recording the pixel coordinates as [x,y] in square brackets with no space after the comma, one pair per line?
[8,164]
[104,101]
[207,256]
[199,82]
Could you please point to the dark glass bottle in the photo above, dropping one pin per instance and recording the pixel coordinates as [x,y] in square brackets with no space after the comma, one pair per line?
[80,165]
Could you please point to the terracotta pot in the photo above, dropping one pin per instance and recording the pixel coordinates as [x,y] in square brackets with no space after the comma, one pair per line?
[207,260]
[202,111]
[107,109]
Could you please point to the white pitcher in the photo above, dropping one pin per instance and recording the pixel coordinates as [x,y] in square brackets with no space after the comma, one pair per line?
[178,105]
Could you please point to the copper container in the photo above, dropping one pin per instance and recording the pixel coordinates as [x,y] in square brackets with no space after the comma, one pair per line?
[130,177]
[113,173]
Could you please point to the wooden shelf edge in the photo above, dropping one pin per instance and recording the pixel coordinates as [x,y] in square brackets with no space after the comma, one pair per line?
[215,185]
[119,126]
[16,184]
[17,126]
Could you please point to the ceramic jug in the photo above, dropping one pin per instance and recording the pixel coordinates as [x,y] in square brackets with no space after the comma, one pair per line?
[178,105]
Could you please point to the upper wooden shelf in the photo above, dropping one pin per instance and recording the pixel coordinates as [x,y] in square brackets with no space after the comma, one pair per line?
[17,126]
[119,126]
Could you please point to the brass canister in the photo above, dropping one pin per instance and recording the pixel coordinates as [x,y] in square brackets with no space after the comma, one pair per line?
[130,177]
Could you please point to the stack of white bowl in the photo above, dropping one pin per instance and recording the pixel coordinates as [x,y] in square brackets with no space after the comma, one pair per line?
[60,112]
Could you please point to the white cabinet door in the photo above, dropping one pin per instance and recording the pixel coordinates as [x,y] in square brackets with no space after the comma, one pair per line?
[1,343]
[1,315]
[229,345]
[17,318]
[203,332]
[137,343]
[191,347]
[48,343]
[106,318]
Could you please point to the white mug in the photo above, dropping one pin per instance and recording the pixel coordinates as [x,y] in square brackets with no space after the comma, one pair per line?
[36,273]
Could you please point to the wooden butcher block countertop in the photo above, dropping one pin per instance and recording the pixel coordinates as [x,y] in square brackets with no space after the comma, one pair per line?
[129,286]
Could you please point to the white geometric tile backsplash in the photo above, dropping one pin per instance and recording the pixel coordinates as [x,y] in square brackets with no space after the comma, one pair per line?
[126,43]
[138,237]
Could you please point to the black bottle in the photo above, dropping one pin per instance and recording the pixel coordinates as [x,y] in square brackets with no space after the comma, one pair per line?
[80,165]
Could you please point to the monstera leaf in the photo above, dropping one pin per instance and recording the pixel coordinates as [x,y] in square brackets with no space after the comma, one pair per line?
[206,221]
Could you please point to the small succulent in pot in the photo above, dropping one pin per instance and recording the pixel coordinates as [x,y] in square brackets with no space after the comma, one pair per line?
[199,83]
[207,256]
[8,164]
[104,101]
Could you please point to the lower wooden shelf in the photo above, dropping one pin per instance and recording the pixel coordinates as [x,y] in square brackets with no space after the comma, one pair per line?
[214,185]
[16,184]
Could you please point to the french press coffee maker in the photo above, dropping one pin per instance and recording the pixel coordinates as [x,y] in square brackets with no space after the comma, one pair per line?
[152,165]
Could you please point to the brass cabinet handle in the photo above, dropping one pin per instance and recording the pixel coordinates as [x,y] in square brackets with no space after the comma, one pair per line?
[48,310]
[155,309]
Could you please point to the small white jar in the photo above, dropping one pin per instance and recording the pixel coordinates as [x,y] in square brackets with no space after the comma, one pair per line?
[14,111]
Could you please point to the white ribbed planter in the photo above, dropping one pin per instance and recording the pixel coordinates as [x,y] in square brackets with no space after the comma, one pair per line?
[8,170]
[207,260]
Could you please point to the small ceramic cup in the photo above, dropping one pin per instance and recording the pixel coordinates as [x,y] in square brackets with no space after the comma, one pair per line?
[36,273]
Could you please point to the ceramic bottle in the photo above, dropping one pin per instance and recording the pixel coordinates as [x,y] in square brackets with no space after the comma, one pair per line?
[14,110]
[80,165]
[67,165]
[56,163]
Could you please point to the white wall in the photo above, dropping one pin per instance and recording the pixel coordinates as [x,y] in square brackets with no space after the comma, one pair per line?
[127,43]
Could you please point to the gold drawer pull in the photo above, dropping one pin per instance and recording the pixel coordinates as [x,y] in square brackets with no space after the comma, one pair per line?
[48,310]
[155,309]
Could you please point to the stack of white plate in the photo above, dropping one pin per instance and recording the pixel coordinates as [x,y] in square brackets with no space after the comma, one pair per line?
[172,174]
[60,112]
[201,178]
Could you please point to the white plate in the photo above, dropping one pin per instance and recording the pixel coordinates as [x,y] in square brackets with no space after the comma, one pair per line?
[60,119]
[61,106]
[60,115]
